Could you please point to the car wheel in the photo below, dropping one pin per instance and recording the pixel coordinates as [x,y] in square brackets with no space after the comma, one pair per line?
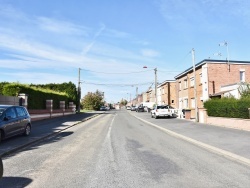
[27,130]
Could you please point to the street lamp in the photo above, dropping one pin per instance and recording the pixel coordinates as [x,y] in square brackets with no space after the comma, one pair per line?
[195,89]
[155,69]
[79,91]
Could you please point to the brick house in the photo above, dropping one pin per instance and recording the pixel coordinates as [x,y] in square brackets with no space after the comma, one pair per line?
[167,93]
[210,77]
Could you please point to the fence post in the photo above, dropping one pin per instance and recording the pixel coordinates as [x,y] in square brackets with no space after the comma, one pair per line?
[62,106]
[23,100]
[49,106]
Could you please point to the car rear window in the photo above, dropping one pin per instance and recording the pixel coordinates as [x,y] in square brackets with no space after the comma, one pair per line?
[161,107]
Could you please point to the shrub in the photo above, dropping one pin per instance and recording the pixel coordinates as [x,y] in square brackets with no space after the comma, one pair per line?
[36,96]
[228,107]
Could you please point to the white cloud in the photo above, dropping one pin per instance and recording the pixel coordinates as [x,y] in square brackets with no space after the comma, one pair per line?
[149,53]
[63,27]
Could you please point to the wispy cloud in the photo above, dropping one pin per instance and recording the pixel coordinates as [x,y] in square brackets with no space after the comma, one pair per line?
[9,12]
[204,14]
[89,46]
[63,27]
[149,53]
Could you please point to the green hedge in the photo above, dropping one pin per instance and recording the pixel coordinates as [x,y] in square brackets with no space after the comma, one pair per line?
[228,107]
[36,96]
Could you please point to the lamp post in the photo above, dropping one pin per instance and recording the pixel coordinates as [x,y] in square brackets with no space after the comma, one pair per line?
[195,89]
[155,70]
[79,91]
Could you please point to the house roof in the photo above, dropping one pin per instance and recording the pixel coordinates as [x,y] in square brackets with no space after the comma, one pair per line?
[220,93]
[211,61]
[164,82]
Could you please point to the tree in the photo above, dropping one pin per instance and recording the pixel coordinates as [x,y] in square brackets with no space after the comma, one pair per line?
[93,101]
[124,102]
[244,90]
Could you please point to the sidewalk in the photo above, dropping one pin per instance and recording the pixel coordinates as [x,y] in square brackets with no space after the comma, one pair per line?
[231,140]
[43,129]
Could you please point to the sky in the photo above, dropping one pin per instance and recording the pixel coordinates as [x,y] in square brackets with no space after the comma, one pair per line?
[49,41]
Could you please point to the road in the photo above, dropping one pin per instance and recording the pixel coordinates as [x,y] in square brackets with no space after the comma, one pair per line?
[116,149]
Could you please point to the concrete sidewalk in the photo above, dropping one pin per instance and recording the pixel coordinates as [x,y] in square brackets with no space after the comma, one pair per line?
[230,140]
[43,129]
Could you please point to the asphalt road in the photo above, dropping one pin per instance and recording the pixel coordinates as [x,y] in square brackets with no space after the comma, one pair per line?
[116,149]
[43,129]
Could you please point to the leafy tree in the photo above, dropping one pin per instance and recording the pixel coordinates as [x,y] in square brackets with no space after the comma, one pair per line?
[2,84]
[124,102]
[93,101]
[244,90]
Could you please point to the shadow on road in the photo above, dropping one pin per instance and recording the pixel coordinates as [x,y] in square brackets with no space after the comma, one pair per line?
[51,139]
[10,182]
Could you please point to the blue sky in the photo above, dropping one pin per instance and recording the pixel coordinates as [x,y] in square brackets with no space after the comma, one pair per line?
[47,41]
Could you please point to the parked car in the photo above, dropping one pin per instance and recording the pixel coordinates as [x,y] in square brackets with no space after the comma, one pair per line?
[132,108]
[14,120]
[1,168]
[140,108]
[128,107]
[102,108]
[162,111]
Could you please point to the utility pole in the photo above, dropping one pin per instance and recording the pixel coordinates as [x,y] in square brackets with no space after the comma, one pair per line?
[136,95]
[155,86]
[79,91]
[195,89]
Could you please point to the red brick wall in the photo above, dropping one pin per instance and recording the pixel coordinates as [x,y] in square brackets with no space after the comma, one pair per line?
[220,74]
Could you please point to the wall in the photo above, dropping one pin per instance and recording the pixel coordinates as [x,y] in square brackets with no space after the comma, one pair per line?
[8,100]
[236,123]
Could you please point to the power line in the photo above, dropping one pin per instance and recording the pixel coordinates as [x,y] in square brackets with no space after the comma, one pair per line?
[117,72]
[118,85]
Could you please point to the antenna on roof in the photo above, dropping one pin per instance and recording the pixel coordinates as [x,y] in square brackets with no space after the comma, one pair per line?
[225,43]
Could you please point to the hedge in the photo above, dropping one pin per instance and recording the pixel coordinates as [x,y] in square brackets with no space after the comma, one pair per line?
[36,96]
[228,107]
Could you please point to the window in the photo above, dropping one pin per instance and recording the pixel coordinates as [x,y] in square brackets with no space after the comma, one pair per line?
[192,103]
[192,81]
[180,103]
[185,103]
[242,76]
[200,78]
[179,85]
[10,113]
[162,91]
[20,112]
[185,84]
[172,101]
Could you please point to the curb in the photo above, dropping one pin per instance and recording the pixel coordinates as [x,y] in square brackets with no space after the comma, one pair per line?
[213,149]
[5,154]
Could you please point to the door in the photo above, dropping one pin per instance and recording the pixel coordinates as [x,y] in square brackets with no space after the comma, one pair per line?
[11,122]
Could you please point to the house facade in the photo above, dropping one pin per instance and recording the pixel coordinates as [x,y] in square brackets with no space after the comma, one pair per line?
[210,78]
[167,93]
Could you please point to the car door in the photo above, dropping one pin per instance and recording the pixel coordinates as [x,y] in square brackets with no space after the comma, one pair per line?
[11,122]
[22,118]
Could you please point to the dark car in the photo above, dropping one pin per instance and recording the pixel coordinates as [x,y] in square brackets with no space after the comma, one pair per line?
[14,120]
[140,108]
